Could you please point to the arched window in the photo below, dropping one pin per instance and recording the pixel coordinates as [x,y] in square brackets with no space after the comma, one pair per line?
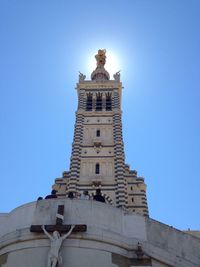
[98,133]
[89,102]
[98,102]
[108,102]
[97,168]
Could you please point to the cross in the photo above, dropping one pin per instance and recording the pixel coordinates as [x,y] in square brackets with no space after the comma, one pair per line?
[59,224]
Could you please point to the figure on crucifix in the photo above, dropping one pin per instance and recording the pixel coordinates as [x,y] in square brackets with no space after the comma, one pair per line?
[56,239]
[54,257]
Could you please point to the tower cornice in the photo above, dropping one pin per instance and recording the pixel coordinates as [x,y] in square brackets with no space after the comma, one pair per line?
[88,84]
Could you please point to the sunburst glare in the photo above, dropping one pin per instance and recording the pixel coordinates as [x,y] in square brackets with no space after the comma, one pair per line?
[112,62]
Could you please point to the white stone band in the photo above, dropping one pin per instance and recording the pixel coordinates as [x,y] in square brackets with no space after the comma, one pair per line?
[59,216]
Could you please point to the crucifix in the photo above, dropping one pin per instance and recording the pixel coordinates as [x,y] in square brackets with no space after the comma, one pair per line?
[56,238]
[59,226]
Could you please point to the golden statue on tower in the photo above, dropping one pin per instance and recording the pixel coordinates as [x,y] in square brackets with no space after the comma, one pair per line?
[101,58]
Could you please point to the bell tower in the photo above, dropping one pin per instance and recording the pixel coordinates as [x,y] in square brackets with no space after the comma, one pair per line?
[97,159]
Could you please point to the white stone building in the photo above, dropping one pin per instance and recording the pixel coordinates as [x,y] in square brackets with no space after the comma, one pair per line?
[117,233]
[97,159]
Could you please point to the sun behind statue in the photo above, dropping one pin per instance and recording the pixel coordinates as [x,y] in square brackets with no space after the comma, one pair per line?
[101,58]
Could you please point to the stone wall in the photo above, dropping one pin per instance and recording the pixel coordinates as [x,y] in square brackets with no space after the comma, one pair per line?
[111,239]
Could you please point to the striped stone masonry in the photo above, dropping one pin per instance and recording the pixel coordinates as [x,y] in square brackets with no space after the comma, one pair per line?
[120,186]
[76,147]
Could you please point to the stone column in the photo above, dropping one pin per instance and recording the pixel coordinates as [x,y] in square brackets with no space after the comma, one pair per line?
[121,192]
[76,146]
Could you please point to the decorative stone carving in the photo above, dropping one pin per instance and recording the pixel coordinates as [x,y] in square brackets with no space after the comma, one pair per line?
[97,142]
[139,252]
[116,76]
[97,180]
[54,257]
[56,239]
[81,77]
[97,149]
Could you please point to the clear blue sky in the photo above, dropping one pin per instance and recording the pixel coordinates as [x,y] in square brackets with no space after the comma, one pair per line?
[43,46]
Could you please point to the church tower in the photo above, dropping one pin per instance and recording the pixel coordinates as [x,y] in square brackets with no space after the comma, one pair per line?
[97,159]
[98,234]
